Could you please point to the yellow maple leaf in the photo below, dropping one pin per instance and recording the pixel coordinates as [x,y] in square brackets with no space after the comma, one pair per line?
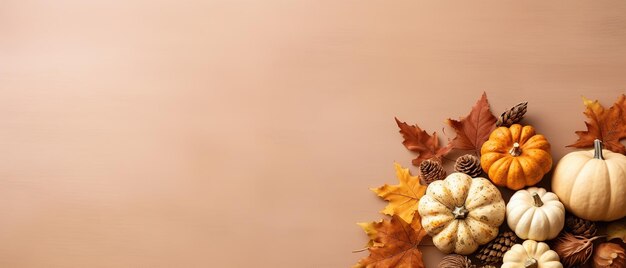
[403,198]
[370,231]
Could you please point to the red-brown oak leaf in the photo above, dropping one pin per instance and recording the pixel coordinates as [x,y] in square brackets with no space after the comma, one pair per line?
[608,125]
[398,241]
[417,140]
[474,129]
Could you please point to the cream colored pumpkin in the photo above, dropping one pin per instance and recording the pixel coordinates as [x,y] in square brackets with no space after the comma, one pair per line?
[535,214]
[461,213]
[531,254]
[592,184]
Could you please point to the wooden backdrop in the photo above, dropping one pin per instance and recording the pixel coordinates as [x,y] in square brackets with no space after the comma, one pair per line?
[247,133]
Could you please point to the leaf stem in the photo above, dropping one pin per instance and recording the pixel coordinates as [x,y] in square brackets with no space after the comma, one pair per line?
[445,158]
[359,250]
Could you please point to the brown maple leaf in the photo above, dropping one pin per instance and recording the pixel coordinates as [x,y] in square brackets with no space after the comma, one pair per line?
[398,243]
[417,140]
[607,125]
[474,129]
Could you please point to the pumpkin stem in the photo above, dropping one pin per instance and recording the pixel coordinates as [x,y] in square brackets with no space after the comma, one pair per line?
[537,199]
[597,149]
[460,212]
[515,151]
[531,263]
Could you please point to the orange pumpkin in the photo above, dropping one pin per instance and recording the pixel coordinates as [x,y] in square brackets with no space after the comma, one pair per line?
[516,157]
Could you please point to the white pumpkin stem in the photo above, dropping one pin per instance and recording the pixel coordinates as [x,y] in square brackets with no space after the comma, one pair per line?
[531,263]
[597,149]
[460,212]
[515,151]
[537,199]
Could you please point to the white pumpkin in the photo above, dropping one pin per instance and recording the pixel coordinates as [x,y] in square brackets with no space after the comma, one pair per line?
[461,213]
[535,214]
[531,254]
[592,184]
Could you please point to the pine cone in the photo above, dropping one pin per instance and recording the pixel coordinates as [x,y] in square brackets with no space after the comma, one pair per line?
[573,250]
[469,164]
[578,226]
[488,266]
[494,250]
[512,115]
[431,170]
[609,255]
[455,261]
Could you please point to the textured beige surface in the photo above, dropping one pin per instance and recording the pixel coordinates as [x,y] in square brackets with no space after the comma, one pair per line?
[247,133]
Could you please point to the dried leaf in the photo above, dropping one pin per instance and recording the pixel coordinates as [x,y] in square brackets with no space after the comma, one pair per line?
[617,229]
[417,140]
[474,129]
[399,245]
[609,255]
[403,198]
[606,125]
[572,249]
[370,231]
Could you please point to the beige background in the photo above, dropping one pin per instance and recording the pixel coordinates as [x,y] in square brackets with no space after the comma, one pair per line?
[247,133]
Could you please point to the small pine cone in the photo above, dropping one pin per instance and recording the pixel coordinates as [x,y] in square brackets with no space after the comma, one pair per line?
[455,261]
[512,115]
[578,226]
[431,170]
[469,164]
[494,250]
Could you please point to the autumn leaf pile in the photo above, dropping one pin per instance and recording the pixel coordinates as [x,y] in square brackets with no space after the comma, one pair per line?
[471,132]
[395,241]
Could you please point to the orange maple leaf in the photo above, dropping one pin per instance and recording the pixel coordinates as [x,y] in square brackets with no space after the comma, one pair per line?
[417,140]
[398,242]
[607,125]
[474,129]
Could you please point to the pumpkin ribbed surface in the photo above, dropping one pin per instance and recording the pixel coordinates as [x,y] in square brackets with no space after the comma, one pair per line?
[516,157]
